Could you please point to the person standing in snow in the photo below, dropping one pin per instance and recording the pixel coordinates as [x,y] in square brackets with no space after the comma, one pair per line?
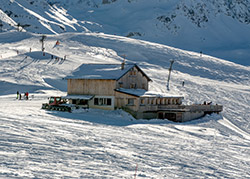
[17,94]
[57,44]
[20,96]
[26,95]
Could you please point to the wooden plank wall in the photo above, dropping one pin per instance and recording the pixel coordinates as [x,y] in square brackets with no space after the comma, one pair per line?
[135,77]
[92,87]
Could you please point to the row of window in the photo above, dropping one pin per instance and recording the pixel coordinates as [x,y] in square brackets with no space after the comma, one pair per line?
[103,101]
[132,72]
[79,101]
[132,85]
[131,101]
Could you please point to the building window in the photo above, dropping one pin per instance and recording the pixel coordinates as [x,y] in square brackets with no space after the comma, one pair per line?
[143,86]
[132,85]
[160,115]
[142,101]
[96,101]
[79,101]
[170,116]
[131,101]
[109,101]
[120,84]
[103,101]
[132,72]
[83,102]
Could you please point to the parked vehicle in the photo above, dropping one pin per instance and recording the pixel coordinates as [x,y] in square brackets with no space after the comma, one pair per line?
[57,103]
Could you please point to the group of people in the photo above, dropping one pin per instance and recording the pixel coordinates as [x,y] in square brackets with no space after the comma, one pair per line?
[19,95]
[58,58]
[207,103]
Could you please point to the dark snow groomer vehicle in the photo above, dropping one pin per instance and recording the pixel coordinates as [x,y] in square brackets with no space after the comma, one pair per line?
[56,103]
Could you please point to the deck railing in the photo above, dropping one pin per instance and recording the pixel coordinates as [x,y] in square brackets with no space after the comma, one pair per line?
[190,108]
[204,108]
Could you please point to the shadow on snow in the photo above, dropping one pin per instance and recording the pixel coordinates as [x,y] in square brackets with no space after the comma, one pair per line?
[121,118]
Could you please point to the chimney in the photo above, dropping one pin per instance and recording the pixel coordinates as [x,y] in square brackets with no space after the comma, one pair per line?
[123,64]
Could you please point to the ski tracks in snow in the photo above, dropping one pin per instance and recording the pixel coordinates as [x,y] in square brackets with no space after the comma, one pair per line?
[225,122]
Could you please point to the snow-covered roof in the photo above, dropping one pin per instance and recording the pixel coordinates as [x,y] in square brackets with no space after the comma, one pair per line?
[102,71]
[145,93]
[85,97]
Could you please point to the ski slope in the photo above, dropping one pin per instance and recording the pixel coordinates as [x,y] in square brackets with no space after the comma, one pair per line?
[219,28]
[35,143]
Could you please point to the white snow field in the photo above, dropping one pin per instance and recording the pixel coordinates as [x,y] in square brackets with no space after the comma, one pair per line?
[35,143]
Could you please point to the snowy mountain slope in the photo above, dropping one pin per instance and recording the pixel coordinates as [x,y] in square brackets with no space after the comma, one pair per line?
[213,74]
[40,17]
[109,144]
[218,28]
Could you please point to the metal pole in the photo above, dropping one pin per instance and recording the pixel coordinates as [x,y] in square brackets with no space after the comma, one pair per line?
[170,69]
[42,41]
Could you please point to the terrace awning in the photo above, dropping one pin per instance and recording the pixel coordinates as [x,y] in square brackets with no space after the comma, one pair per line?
[84,97]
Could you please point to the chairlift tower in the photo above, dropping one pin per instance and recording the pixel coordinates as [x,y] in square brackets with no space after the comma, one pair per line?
[170,69]
[42,41]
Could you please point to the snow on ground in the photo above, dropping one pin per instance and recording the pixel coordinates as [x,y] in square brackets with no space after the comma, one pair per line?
[35,143]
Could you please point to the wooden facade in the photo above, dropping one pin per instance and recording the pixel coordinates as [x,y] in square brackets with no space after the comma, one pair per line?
[91,87]
[134,79]
[104,89]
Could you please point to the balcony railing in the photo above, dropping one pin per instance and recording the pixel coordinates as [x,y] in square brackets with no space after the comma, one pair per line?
[190,108]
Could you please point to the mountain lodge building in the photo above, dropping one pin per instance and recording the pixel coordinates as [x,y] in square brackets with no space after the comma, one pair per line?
[125,86]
